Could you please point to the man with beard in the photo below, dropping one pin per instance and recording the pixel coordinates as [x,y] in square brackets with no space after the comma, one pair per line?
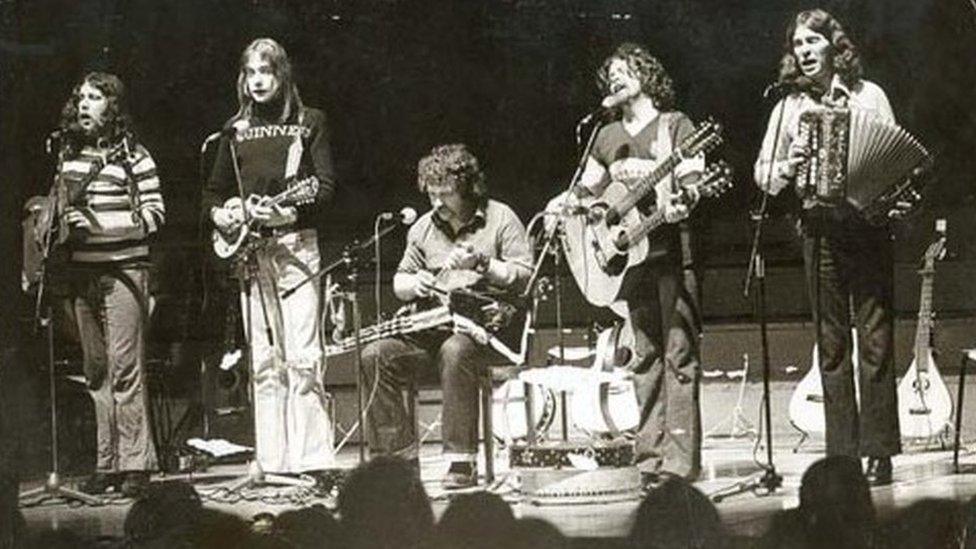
[661,294]
[109,204]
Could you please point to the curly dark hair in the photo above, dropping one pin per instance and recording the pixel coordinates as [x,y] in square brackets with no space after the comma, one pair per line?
[844,55]
[655,81]
[118,122]
[452,166]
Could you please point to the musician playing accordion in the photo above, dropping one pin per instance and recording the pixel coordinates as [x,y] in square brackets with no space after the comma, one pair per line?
[847,258]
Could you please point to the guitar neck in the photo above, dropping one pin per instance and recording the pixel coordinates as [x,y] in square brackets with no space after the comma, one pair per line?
[400,325]
[645,226]
[646,184]
[923,332]
[284,196]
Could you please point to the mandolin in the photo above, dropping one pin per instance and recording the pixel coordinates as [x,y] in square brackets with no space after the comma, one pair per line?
[924,403]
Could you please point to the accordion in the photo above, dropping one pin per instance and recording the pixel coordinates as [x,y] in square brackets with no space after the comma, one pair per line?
[857,159]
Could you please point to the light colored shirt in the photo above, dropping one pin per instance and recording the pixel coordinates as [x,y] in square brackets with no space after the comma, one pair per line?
[863,96]
[494,230]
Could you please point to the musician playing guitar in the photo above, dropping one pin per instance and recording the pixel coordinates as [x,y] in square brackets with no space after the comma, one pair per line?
[471,235]
[845,255]
[273,141]
[661,293]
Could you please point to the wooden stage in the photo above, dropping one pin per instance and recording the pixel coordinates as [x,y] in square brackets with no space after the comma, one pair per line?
[919,473]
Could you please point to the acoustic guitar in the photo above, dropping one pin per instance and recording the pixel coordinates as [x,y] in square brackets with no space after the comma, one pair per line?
[924,403]
[599,255]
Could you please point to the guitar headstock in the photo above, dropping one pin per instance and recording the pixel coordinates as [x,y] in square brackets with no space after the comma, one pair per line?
[707,136]
[937,249]
[302,192]
[716,180]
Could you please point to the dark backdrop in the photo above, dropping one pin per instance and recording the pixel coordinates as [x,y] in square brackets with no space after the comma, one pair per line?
[510,78]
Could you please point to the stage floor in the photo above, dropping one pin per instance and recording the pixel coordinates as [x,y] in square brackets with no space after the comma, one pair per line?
[919,473]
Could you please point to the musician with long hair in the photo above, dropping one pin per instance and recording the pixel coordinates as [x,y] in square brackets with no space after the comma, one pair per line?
[466,238]
[846,257]
[109,205]
[661,294]
[272,144]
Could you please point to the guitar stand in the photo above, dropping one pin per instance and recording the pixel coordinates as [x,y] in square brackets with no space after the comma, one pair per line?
[739,426]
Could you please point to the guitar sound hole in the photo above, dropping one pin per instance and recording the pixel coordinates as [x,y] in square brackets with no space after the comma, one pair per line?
[924,386]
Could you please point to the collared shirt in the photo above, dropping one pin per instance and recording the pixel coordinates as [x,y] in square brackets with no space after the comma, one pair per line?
[864,95]
[494,230]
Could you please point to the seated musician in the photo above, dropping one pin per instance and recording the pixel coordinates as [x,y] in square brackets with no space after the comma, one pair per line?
[852,258]
[465,234]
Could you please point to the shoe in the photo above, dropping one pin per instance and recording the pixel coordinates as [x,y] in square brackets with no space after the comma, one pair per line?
[879,471]
[135,484]
[460,474]
[99,483]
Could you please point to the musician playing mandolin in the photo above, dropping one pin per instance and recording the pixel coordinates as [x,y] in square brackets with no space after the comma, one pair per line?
[661,293]
[821,66]
[465,235]
[274,143]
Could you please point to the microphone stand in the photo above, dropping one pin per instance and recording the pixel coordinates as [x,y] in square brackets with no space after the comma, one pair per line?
[350,260]
[44,318]
[770,480]
[551,245]
[255,476]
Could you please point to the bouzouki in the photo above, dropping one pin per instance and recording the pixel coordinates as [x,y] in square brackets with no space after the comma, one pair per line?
[924,403]
[228,244]
[807,402]
[600,255]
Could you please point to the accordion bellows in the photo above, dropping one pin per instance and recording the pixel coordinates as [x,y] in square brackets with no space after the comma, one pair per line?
[855,157]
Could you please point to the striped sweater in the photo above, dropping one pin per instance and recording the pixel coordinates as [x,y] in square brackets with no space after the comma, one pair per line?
[123,208]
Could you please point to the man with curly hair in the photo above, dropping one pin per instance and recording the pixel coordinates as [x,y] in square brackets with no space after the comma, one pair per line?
[279,142]
[661,294]
[466,235]
[821,66]
[109,204]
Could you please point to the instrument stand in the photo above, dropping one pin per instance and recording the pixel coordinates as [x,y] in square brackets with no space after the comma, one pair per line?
[53,487]
[738,425]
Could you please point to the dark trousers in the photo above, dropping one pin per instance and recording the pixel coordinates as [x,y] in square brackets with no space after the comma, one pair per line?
[664,313]
[855,263]
[458,358]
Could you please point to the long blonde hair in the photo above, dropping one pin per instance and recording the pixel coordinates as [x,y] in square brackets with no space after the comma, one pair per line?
[270,50]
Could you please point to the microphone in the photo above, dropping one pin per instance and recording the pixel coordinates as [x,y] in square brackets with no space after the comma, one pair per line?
[407,215]
[778,89]
[608,104]
[615,99]
[229,132]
